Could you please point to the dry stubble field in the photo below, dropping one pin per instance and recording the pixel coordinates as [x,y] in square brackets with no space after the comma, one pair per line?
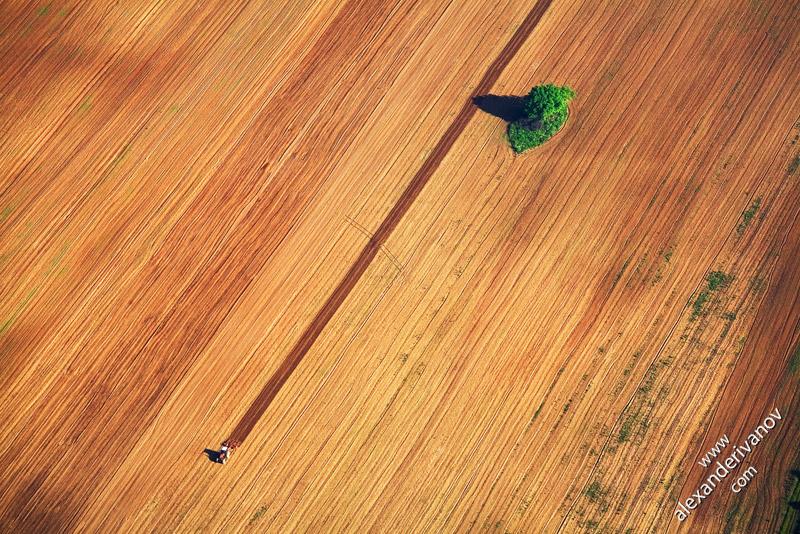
[286,222]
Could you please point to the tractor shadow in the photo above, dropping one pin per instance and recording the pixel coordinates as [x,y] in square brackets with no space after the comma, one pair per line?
[509,108]
[213,456]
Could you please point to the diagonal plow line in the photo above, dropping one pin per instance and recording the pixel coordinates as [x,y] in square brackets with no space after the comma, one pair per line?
[388,225]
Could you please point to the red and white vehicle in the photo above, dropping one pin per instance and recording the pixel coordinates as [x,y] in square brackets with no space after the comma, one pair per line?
[225,451]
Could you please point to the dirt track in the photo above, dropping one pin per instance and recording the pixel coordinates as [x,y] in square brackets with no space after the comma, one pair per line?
[287,223]
[387,226]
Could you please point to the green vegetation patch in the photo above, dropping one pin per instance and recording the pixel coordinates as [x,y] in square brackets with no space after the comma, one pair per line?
[5,213]
[794,165]
[537,412]
[625,430]
[748,215]
[635,424]
[257,515]
[757,284]
[666,256]
[621,272]
[699,304]
[715,280]
[594,491]
[546,112]
[794,361]
[732,518]
[791,515]
[86,104]
[718,279]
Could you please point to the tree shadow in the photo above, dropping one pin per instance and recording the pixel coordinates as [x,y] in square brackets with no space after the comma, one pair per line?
[510,108]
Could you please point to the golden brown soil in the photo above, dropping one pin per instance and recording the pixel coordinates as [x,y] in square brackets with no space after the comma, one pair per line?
[286,223]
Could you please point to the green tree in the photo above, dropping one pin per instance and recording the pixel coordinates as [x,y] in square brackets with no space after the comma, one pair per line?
[546,110]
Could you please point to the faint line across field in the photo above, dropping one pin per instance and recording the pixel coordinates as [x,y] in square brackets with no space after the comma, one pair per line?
[387,226]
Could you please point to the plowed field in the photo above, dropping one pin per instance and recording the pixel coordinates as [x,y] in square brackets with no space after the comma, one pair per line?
[288,223]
